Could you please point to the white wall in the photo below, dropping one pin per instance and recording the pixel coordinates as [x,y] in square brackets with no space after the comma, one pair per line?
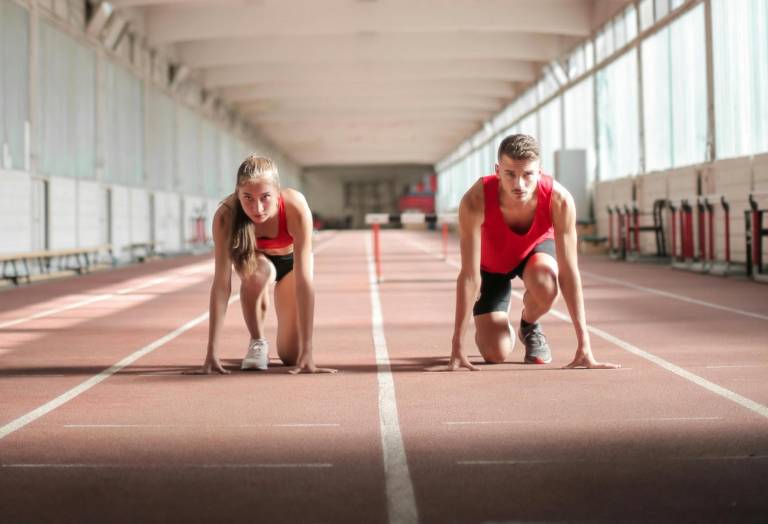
[15,212]
[168,222]
[121,221]
[62,212]
[90,213]
[139,215]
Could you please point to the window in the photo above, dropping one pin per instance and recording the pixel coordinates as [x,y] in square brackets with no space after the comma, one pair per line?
[618,117]
[578,102]
[740,46]
[66,120]
[14,84]
[646,14]
[550,133]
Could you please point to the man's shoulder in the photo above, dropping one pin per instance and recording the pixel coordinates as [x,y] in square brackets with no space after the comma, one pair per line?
[474,198]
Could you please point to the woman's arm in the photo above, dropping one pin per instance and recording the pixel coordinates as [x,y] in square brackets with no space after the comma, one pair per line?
[299,218]
[221,288]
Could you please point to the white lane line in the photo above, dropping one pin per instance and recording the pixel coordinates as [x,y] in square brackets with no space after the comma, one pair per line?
[91,382]
[675,296]
[738,366]
[401,501]
[677,370]
[512,462]
[673,419]
[647,419]
[305,425]
[218,426]
[265,465]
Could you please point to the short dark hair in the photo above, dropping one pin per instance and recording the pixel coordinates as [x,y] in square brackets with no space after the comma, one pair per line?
[519,147]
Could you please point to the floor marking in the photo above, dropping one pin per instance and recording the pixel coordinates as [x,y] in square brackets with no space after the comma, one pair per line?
[677,370]
[483,422]
[81,388]
[673,419]
[266,465]
[512,462]
[401,501]
[738,366]
[676,297]
[167,426]
[647,419]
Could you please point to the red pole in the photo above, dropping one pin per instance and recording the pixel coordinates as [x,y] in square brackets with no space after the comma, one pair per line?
[757,243]
[610,231]
[689,232]
[702,237]
[377,252]
[627,232]
[683,235]
[636,217]
[674,235]
[727,237]
[711,220]
[445,240]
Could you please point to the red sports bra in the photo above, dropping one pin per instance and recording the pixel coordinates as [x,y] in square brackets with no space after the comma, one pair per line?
[501,249]
[283,238]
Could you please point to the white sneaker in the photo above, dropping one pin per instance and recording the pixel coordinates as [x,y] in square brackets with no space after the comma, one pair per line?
[257,356]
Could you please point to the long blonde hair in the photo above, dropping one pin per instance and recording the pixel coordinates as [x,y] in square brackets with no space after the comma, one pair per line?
[242,245]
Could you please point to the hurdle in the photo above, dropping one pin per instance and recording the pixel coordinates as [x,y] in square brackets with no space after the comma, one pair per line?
[754,234]
[682,223]
[617,242]
[376,220]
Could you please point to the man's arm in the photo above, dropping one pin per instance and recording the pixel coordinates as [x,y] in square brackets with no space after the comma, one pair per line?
[564,222]
[468,281]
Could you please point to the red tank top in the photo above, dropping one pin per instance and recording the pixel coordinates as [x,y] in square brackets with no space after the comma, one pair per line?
[501,249]
[283,238]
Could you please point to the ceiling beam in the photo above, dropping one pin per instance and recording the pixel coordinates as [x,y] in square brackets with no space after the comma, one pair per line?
[508,70]
[345,90]
[373,49]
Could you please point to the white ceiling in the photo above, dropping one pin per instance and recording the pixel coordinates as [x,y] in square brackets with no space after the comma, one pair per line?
[344,82]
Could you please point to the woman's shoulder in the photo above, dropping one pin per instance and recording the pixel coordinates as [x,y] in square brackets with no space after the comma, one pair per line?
[293,199]
[224,211]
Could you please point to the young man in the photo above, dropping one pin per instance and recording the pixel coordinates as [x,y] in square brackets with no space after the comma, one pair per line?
[517,222]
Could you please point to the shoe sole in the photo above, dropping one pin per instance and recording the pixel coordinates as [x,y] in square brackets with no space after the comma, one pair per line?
[247,367]
[536,360]
[532,360]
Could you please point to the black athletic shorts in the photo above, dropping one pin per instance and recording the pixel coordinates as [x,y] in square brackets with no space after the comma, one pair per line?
[495,288]
[283,264]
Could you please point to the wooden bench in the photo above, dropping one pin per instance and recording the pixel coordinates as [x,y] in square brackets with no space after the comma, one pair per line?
[79,260]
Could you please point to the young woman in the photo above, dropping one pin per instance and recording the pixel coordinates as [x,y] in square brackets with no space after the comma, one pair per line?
[265,233]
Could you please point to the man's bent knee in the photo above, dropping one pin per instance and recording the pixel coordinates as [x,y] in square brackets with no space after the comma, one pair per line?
[495,355]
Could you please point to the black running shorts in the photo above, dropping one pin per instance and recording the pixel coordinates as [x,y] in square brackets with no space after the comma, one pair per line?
[495,288]
[283,264]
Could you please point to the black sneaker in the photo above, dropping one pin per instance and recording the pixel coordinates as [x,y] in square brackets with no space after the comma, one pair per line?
[536,348]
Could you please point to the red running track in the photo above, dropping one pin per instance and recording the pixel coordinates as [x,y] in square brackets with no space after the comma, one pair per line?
[680,433]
